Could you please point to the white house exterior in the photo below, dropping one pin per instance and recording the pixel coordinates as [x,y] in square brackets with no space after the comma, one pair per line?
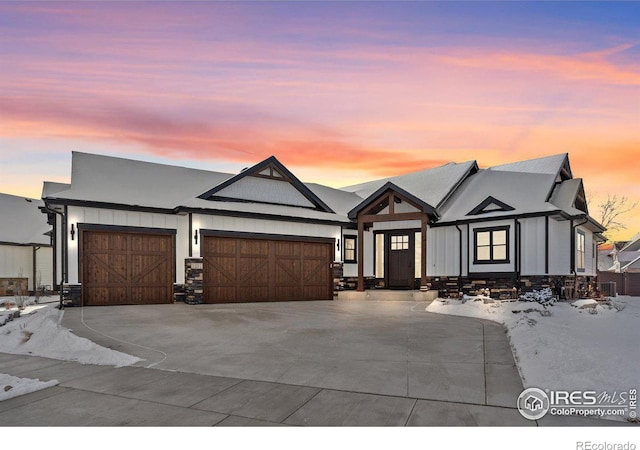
[26,251]
[136,232]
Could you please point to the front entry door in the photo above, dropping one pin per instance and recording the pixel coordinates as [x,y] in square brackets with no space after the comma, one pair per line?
[401,260]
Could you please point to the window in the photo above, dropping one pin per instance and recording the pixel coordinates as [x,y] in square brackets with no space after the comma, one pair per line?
[350,249]
[400,242]
[418,254]
[379,255]
[580,251]
[491,245]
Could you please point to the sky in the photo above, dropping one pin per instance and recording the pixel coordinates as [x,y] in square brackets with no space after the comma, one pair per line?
[340,92]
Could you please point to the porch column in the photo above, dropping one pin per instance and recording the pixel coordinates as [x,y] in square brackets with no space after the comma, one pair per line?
[423,251]
[360,255]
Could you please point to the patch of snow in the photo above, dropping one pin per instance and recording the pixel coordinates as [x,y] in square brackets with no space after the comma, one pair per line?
[39,333]
[11,386]
[584,303]
[560,347]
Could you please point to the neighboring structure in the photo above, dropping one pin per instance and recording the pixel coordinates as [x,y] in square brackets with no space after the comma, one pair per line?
[26,251]
[621,265]
[621,256]
[124,230]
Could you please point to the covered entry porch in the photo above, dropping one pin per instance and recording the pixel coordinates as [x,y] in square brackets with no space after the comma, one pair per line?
[396,223]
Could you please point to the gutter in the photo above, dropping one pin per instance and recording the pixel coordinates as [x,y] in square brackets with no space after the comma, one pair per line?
[459,258]
[63,252]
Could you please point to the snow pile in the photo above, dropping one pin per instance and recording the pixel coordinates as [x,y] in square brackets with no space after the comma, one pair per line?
[11,386]
[40,334]
[564,347]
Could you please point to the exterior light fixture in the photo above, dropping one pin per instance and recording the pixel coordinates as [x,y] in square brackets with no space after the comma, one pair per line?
[73,232]
[338,244]
[195,237]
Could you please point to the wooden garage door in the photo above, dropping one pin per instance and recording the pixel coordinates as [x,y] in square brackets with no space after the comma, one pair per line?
[123,268]
[264,270]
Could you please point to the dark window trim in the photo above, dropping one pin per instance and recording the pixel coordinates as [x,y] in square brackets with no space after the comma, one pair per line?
[125,229]
[344,249]
[475,245]
[584,251]
[274,237]
[481,208]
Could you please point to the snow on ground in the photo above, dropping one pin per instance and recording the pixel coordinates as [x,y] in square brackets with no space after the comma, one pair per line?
[11,386]
[37,332]
[565,347]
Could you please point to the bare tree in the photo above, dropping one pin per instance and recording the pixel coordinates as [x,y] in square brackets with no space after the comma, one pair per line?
[612,208]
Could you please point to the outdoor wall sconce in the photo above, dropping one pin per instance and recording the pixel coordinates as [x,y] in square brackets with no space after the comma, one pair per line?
[195,237]
[338,244]
[73,232]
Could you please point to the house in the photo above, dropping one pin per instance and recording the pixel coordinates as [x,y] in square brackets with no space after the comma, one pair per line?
[621,273]
[26,251]
[621,256]
[136,232]
[533,403]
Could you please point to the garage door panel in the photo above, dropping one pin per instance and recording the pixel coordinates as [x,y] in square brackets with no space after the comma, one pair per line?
[220,270]
[287,272]
[265,270]
[123,268]
[288,249]
[253,270]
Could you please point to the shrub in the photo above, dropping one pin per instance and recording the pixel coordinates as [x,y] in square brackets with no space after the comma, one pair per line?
[543,296]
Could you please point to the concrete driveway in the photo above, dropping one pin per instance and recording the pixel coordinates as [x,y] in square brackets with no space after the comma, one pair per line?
[347,363]
[388,348]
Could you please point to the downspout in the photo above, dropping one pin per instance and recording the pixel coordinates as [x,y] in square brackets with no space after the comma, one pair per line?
[518,249]
[63,252]
[34,263]
[459,258]
[190,235]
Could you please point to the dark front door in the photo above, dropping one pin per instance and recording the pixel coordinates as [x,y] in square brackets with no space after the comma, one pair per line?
[401,261]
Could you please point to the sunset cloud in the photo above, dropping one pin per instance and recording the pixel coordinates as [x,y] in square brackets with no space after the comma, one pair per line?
[337,91]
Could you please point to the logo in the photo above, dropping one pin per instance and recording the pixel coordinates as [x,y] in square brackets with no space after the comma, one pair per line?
[533,403]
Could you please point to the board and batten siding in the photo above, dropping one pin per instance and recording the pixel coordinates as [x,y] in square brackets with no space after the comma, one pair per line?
[443,251]
[351,269]
[532,244]
[559,247]
[15,259]
[280,227]
[99,216]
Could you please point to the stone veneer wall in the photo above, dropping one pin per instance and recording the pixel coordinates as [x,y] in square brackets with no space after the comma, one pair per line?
[499,287]
[193,273]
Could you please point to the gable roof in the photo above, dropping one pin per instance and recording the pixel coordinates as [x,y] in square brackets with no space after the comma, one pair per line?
[523,192]
[494,203]
[633,244]
[431,186]
[130,183]
[557,165]
[281,196]
[21,221]
[634,264]
[107,179]
[389,186]
[566,194]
